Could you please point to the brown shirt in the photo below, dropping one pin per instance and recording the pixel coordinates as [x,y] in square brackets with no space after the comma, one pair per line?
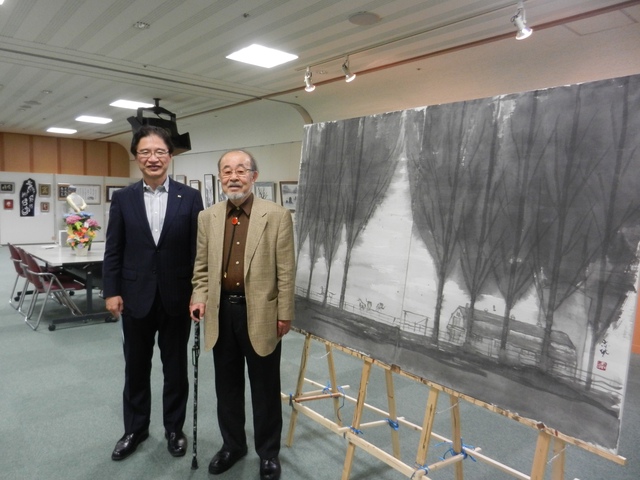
[235,240]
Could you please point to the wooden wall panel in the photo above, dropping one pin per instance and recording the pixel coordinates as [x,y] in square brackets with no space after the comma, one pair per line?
[96,159]
[71,156]
[118,160]
[45,154]
[17,153]
[41,154]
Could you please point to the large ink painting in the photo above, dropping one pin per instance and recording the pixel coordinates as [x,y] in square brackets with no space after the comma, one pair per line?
[490,246]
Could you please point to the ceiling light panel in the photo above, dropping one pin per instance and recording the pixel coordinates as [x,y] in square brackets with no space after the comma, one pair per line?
[261,56]
[90,119]
[130,104]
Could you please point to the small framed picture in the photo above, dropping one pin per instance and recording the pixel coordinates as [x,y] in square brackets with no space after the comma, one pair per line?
[209,190]
[289,195]
[265,190]
[8,204]
[195,184]
[7,187]
[221,195]
[63,191]
[44,189]
[181,179]
[44,207]
[110,190]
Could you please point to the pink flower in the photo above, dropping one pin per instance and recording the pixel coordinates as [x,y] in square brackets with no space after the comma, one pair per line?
[71,219]
[92,223]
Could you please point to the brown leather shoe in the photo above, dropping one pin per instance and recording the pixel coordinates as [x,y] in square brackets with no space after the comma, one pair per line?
[128,444]
[176,443]
[270,468]
[224,460]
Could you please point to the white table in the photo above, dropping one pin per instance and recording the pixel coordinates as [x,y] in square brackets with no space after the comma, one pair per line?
[82,266]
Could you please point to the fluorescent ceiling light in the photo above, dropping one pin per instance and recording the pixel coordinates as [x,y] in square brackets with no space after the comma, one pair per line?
[67,131]
[261,56]
[90,119]
[130,104]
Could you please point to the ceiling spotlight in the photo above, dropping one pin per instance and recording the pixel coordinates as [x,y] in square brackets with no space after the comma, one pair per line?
[348,76]
[310,87]
[142,25]
[520,21]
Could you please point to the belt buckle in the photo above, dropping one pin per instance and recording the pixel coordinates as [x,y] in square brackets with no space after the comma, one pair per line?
[235,299]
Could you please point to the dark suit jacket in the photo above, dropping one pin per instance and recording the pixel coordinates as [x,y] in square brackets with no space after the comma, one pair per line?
[135,267]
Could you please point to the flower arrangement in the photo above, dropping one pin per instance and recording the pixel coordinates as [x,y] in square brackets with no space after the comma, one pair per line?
[81,229]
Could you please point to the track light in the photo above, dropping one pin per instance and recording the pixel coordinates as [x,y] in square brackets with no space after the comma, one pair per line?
[310,87]
[520,21]
[348,76]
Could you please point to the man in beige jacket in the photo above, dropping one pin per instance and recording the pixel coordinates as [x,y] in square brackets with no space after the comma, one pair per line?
[243,286]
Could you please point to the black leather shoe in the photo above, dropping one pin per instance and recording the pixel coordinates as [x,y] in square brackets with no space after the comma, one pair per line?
[128,444]
[270,468]
[176,443]
[224,460]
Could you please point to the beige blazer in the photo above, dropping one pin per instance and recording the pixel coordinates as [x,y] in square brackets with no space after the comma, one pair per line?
[269,271]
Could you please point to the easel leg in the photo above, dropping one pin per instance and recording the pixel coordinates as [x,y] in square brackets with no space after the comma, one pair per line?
[557,469]
[299,387]
[334,383]
[427,427]
[540,457]
[357,416]
[456,434]
[393,416]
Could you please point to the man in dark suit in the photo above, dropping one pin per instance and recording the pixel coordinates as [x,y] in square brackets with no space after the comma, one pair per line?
[148,264]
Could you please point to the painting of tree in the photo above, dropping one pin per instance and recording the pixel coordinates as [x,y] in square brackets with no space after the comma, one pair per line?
[489,245]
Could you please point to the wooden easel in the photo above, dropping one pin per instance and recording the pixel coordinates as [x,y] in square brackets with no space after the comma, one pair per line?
[459,451]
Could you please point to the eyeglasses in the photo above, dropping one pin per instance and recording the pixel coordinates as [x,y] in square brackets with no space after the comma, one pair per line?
[144,154]
[240,172]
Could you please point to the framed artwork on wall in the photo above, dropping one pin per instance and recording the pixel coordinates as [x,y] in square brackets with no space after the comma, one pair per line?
[110,190]
[265,190]
[289,195]
[90,193]
[195,184]
[44,189]
[44,207]
[221,195]
[8,204]
[63,191]
[7,187]
[209,190]
[181,179]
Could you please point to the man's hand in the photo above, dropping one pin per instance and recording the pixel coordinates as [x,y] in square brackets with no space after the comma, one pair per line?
[283,327]
[201,307]
[114,305]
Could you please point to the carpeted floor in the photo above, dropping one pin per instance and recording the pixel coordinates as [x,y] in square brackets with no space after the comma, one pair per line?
[60,404]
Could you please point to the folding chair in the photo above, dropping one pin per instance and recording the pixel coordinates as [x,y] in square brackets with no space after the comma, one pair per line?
[17,296]
[51,285]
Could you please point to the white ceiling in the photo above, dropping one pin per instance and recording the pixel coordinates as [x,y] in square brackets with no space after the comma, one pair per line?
[87,53]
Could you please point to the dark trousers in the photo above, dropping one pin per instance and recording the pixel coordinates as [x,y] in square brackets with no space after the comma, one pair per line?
[139,340]
[230,352]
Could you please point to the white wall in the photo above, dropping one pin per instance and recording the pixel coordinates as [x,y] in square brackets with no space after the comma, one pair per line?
[43,227]
[271,131]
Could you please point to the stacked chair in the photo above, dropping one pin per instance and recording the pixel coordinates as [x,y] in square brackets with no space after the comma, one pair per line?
[17,296]
[51,284]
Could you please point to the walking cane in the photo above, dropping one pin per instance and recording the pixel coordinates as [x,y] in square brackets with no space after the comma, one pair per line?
[195,353]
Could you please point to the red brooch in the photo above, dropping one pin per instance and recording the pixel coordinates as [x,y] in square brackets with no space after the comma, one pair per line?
[234,220]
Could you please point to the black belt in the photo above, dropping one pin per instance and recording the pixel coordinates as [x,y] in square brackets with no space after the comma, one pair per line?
[235,298]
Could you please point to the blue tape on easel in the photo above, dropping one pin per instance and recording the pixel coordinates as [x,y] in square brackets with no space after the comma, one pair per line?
[453,453]
[393,424]
[424,468]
